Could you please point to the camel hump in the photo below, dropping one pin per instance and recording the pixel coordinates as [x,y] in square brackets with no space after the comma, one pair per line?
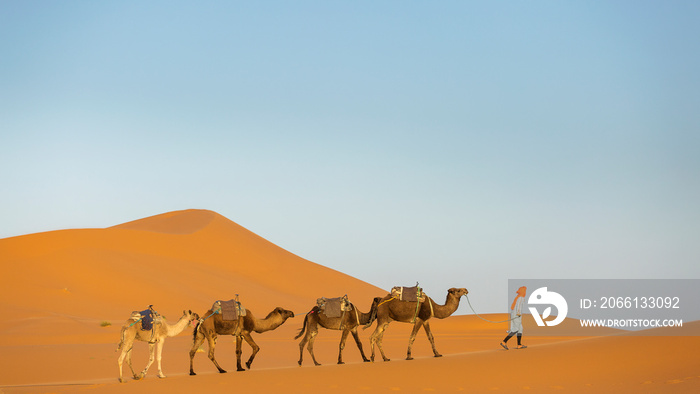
[334,307]
[411,294]
[230,310]
[147,320]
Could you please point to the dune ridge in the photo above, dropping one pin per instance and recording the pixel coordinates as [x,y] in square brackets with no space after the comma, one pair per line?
[177,222]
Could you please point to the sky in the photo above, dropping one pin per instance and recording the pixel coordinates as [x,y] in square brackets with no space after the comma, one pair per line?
[452,143]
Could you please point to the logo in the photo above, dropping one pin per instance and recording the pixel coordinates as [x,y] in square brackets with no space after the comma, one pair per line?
[543,297]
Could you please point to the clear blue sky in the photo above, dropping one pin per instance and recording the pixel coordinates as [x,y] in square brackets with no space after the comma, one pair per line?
[452,143]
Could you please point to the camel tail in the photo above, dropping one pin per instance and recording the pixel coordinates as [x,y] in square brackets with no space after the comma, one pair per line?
[121,340]
[303,328]
[372,315]
[196,330]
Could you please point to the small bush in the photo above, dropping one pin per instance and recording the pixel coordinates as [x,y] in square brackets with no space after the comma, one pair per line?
[105,324]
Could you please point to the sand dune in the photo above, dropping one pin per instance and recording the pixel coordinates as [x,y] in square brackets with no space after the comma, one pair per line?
[178,260]
[58,287]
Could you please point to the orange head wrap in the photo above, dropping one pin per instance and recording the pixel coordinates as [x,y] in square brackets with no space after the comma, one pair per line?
[521,293]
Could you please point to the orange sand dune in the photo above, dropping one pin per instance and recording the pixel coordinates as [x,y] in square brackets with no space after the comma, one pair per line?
[175,261]
[57,287]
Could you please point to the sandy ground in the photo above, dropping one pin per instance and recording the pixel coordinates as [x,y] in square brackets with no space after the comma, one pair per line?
[57,289]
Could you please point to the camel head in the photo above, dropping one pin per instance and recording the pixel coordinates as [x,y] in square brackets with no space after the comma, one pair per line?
[455,292]
[285,314]
[191,316]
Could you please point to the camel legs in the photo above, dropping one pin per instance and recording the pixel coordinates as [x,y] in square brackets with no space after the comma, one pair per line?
[198,341]
[416,328]
[120,360]
[256,349]
[126,345]
[126,353]
[212,347]
[151,358]
[343,338]
[159,354]
[131,366]
[239,353]
[301,348]
[412,338]
[155,352]
[426,326]
[377,337]
[310,337]
[359,344]
[379,344]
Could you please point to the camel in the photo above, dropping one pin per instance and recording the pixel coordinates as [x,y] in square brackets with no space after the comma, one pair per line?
[155,337]
[390,309]
[214,325]
[348,323]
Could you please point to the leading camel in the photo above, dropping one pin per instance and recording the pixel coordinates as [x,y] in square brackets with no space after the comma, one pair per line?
[391,309]
[132,331]
[348,322]
[214,325]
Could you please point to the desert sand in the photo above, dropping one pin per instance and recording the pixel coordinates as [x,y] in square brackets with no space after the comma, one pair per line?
[60,289]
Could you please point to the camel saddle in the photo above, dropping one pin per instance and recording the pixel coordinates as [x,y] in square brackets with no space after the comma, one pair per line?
[229,310]
[146,317]
[334,307]
[411,294]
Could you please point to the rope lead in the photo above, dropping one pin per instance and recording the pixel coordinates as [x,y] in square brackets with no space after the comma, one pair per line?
[490,321]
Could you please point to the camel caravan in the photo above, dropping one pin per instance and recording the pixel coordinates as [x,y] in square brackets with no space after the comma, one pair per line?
[404,304]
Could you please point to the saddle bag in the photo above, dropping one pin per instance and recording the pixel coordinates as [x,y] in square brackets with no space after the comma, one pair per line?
[334,307]
[411,294]
[230,310]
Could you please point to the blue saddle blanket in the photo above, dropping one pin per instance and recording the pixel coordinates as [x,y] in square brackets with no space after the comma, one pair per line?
[146,320]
